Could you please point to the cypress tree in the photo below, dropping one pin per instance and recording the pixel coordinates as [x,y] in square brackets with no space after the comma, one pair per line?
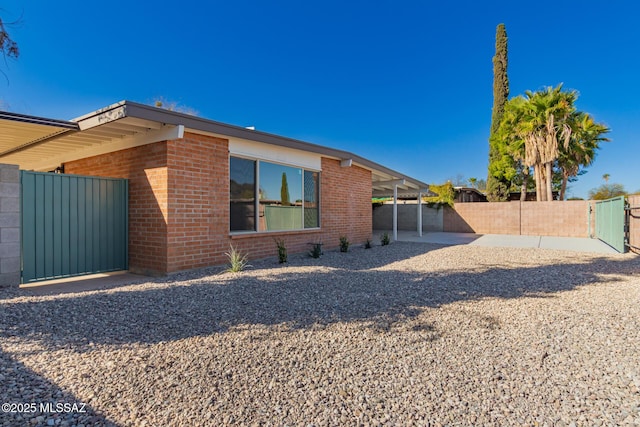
[284,191]
[498,189]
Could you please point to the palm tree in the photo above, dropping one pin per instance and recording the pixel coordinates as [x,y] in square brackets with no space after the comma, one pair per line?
[510,141]
[546,121]
[580,150]
[472,182]
[606,177]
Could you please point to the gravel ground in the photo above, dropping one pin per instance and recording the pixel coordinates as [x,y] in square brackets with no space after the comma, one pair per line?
[407,334]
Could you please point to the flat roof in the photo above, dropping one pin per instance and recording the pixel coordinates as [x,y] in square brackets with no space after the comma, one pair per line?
[40,143]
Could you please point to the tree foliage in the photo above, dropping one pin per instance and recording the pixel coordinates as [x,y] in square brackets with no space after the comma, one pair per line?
[543,131]
[8,46]
[607,191]
[445,194]
[284,191]
[496,183]
[162,102]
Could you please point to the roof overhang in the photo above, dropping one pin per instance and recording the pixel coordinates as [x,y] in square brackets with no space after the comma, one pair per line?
[42,144]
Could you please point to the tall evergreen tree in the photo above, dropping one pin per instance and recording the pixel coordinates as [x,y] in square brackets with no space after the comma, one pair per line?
[497,186]
[284,191]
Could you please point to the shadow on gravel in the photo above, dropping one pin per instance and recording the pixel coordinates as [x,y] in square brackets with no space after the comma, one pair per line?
[30,396]
[339,293]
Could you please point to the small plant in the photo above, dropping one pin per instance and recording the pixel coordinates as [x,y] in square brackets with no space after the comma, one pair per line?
[344,244]
[367,244]
[384,239]
[237,260]
[316,250]
[282,251]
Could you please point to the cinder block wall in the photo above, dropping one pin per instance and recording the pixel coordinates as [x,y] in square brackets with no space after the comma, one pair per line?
[562,219]
[179,205]
[568,218]
[483,218]
[634,224]
[408,217]
[9,225]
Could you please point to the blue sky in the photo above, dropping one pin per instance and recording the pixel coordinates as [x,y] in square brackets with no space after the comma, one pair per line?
[405,83]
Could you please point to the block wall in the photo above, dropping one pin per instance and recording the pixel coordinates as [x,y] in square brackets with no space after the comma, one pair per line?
[407,217]
[9,225]
[562,219]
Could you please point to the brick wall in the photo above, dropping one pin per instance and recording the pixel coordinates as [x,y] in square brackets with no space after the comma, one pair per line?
[562,219]
[179,205]
[345,203]
[198,225]
[634,224]
[146,169]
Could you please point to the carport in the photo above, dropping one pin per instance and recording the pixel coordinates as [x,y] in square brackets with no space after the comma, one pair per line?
[405,188]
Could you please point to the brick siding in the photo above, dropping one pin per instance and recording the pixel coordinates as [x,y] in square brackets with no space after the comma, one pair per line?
[146,169]
[179,205]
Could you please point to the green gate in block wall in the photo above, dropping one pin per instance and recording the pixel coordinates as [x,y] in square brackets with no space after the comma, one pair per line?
[72,225]
[610,218]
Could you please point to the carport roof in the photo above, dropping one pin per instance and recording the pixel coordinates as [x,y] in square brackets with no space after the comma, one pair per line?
[38,143]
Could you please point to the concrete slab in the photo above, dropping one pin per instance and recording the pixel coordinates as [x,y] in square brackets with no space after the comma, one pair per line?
[84,283]
[576,244]
[504,240]
[440,238]
[507,241]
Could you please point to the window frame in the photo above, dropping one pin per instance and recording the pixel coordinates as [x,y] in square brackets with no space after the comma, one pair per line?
[257,197]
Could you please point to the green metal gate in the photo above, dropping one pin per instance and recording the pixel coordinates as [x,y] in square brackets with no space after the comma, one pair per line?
[72,225]
[610,217]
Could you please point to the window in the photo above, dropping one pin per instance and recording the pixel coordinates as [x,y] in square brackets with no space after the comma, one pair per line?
[242,194]
[311,199]
[287,196]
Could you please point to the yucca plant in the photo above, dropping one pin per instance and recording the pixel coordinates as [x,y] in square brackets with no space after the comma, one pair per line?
[316,250]
[344,244]
[384,239]
[282,251]
[237,260]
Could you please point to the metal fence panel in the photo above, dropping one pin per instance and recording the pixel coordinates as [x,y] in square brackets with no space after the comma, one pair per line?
[610,222]
[72,225]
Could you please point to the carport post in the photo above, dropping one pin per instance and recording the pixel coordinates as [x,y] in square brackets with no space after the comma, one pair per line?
[420,213]
[395,212]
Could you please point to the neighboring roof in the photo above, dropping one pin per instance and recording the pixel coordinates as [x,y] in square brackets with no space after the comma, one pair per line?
[127,123]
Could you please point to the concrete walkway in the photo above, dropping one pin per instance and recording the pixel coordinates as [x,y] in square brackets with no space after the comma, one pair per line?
[504,240]
[83,283]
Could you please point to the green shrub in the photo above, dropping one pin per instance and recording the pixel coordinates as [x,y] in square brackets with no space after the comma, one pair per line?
[282,251]
[316,250]
[237,260]
[384,239]
[367,244]
[344,244]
